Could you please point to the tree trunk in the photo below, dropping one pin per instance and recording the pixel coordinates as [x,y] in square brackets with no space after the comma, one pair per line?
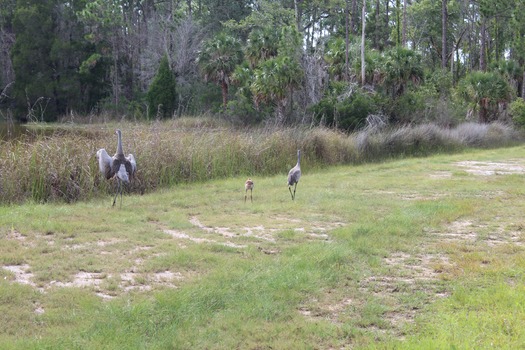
[387,18]
[115,78]
[523,86]
[224,88]
[347,44]
[190,13]
[483,47]
[377,32]
[455,77]
[363,20]
[452,65]
[482,111]
[298,14]
[404,34]
[280,113]
[398,23]
[444,20]
[353,19]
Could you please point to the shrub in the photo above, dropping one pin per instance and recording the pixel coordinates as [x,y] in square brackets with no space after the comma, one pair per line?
[347,111]
[484,91]
[354,110]
[517,111]
[408,108]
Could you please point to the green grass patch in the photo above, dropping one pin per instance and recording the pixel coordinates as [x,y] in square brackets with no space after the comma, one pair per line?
[413,253]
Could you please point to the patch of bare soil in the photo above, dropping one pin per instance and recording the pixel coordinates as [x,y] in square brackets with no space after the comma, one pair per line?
[316,230]
[223,231]
[183,236]
[441,175]
[468,232]
[412,273]
[17,236]
[125,282]
[109,285]
[492,168]
[22,274]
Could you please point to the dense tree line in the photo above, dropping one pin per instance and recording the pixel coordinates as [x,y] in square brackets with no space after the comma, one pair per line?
[342,63]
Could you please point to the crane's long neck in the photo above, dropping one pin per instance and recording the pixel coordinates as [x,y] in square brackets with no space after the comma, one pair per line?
[299,158]
[119,142]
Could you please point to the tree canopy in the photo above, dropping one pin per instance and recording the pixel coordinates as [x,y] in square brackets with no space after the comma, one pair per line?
[278,60]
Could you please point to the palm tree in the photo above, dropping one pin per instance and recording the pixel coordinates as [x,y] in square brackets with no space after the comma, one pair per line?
[402,66]
[335,57]
[218,60]
[274,80]
[262,44]
[485,91]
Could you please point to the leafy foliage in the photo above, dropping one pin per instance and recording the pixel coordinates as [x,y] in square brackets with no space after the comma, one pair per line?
[80,56]
[273,79]
[517,111]
[162,94]
[484,91]
[33,22]
[402,67]
[347,108]
[218,59]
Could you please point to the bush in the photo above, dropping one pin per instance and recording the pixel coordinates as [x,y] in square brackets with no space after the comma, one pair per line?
[484,92]
[347,111]
[517,112]
[354,110]
[408,108]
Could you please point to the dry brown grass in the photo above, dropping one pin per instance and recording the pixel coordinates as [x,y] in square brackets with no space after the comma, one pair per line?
[61,165]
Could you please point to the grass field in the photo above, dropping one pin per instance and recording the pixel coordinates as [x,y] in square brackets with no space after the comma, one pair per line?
[416,253]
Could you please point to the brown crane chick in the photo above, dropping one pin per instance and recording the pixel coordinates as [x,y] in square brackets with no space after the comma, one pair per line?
[248,185]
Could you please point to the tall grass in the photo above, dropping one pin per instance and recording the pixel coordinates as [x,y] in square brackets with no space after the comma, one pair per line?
[62,165]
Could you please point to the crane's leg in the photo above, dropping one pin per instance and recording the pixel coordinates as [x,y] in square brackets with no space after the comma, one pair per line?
[121,195]
[251,195]
[116,193]
[290,189]
[295,187]
[245,195]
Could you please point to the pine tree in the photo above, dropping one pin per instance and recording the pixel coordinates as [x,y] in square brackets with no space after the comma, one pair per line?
[34,85]
[162,94]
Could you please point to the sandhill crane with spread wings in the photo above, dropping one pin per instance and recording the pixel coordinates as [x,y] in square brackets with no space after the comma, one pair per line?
[119,166]
[294,175]
[248,185]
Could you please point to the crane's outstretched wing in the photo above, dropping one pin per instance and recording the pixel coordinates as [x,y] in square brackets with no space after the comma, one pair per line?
[131,159]
[133,163]
[105,163]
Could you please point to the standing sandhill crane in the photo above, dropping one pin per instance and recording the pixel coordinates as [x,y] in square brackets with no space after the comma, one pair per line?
[294,175]
[119,166]
[248,185]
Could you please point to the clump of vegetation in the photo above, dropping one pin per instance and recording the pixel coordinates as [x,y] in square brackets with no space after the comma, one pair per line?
[162,94]
[346,107]
[62,166]
[517,111]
